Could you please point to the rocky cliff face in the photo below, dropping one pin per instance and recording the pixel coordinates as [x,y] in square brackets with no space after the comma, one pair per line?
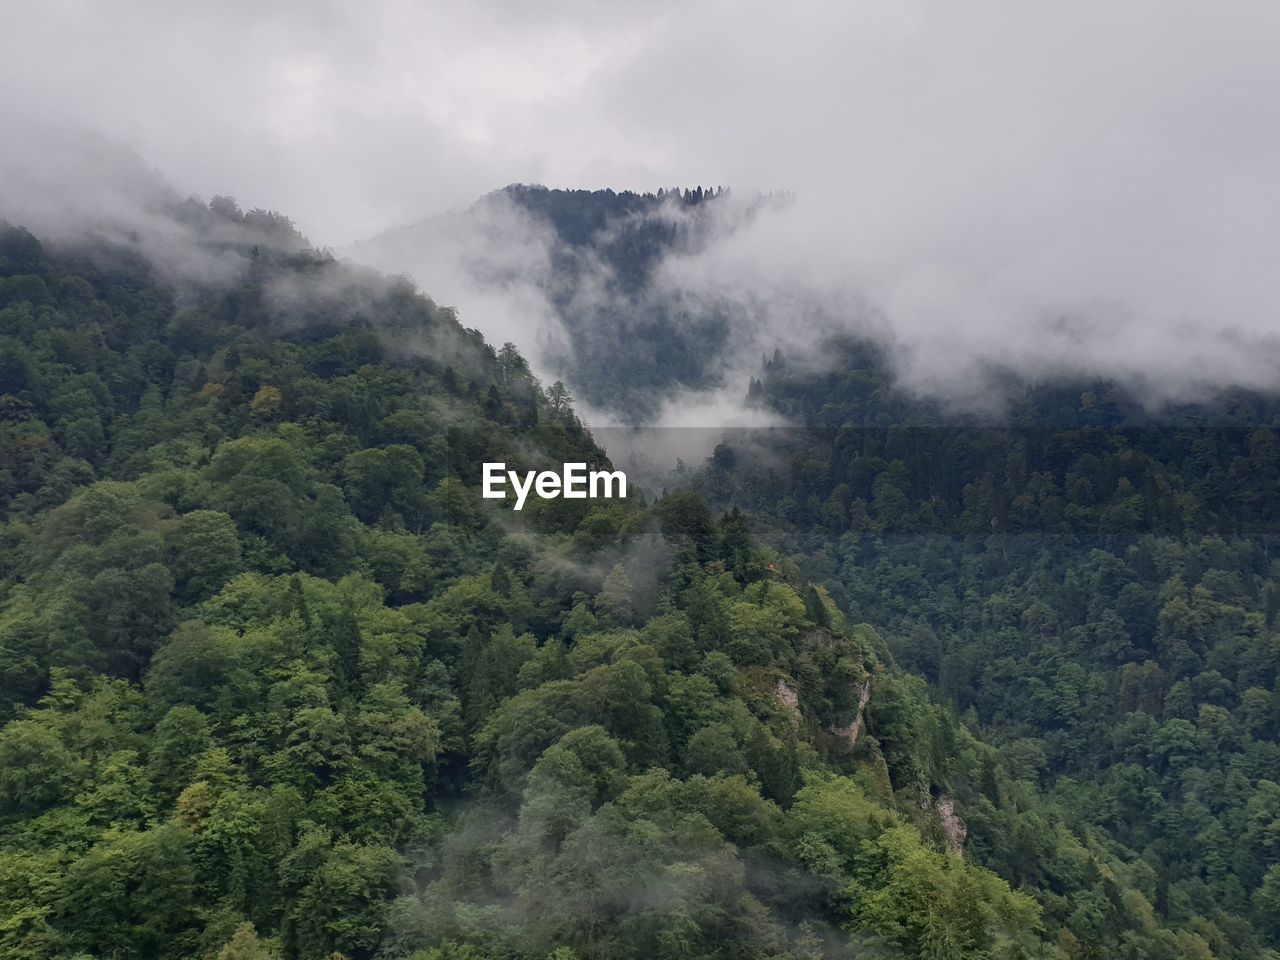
[853,729]
[789,699]
[953,828]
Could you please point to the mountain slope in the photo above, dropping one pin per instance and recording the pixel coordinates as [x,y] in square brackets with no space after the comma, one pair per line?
[1091,582]
[277,682]
[588,267]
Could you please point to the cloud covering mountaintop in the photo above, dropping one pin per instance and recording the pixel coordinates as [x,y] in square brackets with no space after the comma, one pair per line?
[1080,186]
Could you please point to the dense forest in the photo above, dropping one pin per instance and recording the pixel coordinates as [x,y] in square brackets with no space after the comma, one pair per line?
[277,682]
[1088,581]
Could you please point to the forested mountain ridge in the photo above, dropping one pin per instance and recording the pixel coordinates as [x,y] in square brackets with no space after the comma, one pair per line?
[1090,580]
[276,682]
[621,337]
[1069,454]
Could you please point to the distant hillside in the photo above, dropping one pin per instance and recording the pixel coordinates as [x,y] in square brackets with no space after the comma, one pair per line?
[618,335]
[1092,581]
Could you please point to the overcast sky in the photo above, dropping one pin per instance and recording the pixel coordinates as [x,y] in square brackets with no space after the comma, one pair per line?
[355,116]
[970,166]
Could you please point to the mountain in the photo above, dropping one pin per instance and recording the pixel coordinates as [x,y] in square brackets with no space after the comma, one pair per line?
[278,683]
[1089,581]
[577,277]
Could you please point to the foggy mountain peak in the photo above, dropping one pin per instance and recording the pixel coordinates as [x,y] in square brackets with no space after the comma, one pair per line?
[657,302]
[576,278]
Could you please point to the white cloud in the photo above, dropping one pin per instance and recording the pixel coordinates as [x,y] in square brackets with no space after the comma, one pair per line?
[977,171]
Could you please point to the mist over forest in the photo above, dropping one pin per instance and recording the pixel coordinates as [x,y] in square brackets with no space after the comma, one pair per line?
[938,343]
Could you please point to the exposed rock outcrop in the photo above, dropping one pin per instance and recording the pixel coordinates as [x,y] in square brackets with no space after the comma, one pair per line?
[853,729]
[953,828]
[788,699]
